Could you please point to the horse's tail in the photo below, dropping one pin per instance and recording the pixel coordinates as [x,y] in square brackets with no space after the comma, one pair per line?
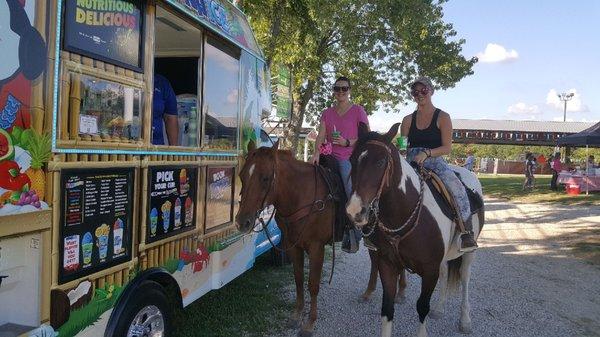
[454,274]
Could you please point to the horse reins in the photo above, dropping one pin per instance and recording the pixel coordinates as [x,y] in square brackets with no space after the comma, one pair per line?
[413,219]
[295,217]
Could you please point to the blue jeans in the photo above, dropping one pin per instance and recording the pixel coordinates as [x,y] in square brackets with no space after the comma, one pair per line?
[345,168]
[453,184]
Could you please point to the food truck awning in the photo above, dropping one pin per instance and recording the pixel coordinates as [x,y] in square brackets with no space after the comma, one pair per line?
[223,18]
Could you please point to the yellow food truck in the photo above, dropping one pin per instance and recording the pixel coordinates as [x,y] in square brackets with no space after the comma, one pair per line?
[122,125]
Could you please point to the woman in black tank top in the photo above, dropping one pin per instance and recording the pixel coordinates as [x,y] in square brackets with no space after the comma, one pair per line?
[429,132]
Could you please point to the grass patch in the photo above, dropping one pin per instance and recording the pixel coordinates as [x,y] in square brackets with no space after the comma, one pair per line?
[510,187]
[251,305]
[585,244]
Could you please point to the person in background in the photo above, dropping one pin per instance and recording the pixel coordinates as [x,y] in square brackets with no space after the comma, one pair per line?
[590,165]
[529,167]
[556,167]
[429,132]
[164,112]
[470,161]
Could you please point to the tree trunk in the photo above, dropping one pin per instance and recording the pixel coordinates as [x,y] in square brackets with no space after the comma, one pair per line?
[299,110]
[277,15]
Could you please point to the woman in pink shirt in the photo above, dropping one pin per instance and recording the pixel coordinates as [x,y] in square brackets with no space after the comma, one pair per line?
[339,126]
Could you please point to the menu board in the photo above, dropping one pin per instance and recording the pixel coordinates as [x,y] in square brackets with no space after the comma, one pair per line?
[219,196]
[172,199]
[106,30]
[96,220]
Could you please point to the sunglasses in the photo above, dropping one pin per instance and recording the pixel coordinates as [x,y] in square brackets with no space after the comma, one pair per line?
[423,91]
[338,89]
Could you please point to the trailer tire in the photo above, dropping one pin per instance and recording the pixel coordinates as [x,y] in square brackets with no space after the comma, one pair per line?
[147,311]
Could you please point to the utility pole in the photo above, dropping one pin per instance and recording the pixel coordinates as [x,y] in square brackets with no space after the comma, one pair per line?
[565,97]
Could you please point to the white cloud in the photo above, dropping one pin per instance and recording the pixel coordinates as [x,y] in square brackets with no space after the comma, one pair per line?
[381,121]
[495,53]
[574,105]
[560,119]
[522,108]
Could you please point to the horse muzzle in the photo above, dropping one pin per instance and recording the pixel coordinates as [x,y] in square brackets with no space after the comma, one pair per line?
[245,223]
[356,211]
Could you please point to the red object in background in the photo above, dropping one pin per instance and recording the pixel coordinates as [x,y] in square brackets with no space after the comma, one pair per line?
[573,189]
[541,159]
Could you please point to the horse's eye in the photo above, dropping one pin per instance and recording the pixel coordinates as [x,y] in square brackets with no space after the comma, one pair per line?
[265,180]
[381,163]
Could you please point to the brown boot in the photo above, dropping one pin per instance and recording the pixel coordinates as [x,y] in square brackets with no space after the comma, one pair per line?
[467,239]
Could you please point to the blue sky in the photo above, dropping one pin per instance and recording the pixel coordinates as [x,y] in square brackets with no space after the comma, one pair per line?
[527,49]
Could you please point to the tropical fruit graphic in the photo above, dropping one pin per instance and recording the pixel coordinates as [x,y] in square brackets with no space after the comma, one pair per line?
[40,150]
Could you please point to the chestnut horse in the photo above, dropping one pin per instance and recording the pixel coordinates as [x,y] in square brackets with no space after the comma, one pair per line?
[304,212]
[412,230]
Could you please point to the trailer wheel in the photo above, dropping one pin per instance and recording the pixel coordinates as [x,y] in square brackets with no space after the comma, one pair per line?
[147,314]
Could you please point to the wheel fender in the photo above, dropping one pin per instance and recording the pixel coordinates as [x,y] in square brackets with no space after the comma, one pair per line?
[158,275]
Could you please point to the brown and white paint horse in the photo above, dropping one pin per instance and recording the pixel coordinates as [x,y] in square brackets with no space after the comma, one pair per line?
[412,232]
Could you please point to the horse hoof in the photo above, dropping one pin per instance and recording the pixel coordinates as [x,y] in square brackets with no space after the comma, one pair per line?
[400,299]
[465,329]
[305,333]
[435,314]
[366,297]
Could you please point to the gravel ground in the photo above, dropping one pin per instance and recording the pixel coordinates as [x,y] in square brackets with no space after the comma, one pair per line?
[524,282]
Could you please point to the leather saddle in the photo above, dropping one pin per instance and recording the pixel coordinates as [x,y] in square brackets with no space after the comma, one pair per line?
[329,168]
[445,198]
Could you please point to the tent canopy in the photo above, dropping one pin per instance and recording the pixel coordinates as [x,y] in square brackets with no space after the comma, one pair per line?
[589,137]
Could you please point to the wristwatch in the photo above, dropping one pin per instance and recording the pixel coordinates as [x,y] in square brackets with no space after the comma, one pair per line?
[347,142]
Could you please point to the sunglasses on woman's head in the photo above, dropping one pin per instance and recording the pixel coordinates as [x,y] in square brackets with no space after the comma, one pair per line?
[423,91]
[338,89]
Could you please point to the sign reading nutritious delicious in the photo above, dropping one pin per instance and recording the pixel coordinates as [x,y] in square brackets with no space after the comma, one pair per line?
[172,199]
[108,30]
[219,196]
[96,220]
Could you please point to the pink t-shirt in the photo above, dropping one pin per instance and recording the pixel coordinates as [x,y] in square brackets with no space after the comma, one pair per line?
[347,125]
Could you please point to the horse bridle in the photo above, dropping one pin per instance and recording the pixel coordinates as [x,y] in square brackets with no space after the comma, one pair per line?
[385,181]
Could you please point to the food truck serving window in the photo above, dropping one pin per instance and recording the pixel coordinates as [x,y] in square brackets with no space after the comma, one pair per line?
[110,31]
[221,95]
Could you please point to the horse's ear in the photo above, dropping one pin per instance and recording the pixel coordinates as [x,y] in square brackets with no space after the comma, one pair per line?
[390,135]
[251,145]
[276,145]
[363,129]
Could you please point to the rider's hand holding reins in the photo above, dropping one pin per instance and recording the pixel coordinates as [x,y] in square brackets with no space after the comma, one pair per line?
[421,157]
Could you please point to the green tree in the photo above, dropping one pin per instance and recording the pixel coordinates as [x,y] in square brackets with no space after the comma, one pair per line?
[380,44]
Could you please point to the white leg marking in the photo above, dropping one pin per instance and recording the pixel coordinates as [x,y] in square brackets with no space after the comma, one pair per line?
[422,330]
[251,170]
[354,205]
[438,309]
[465,276]
[362,155]
[386,327]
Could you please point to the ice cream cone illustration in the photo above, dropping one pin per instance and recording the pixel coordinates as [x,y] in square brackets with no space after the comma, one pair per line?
[166,215]
[177,213]
[153,221]
[102,242]
[87,246]
[189,211]
[184,186]
[118,236]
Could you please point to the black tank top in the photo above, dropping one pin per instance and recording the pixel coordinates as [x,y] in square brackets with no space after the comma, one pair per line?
[429,138]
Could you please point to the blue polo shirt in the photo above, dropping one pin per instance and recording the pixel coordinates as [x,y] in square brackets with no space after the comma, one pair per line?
[164,102]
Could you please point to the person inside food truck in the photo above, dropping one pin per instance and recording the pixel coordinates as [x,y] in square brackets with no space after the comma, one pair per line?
[164,112]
